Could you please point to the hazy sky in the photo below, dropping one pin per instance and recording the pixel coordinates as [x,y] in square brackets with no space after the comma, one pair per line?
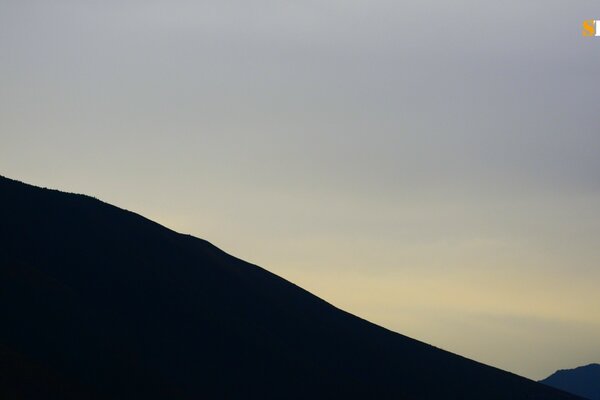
[431,166]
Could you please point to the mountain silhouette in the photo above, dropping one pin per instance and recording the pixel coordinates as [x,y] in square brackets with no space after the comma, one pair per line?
[583,381]
[101,303]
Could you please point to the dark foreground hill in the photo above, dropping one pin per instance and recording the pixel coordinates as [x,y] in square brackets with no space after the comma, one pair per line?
[583,381]
[99,302]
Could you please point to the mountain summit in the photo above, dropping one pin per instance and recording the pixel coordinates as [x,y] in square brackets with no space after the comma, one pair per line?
[583,381]
[99,302]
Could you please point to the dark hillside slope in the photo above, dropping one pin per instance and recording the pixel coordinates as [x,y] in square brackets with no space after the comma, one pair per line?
[99,302]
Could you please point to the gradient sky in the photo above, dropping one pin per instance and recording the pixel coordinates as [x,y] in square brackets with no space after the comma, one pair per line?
[431,166]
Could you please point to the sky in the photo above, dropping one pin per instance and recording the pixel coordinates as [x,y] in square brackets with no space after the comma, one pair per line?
[431,166]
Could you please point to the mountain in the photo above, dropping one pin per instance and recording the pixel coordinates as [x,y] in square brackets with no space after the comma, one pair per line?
[583,381]
[100,303]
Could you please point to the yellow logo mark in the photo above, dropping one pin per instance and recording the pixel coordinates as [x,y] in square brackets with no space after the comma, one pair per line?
[589,28]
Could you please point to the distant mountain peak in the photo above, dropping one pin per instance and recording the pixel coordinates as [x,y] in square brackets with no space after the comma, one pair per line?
[583,381]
